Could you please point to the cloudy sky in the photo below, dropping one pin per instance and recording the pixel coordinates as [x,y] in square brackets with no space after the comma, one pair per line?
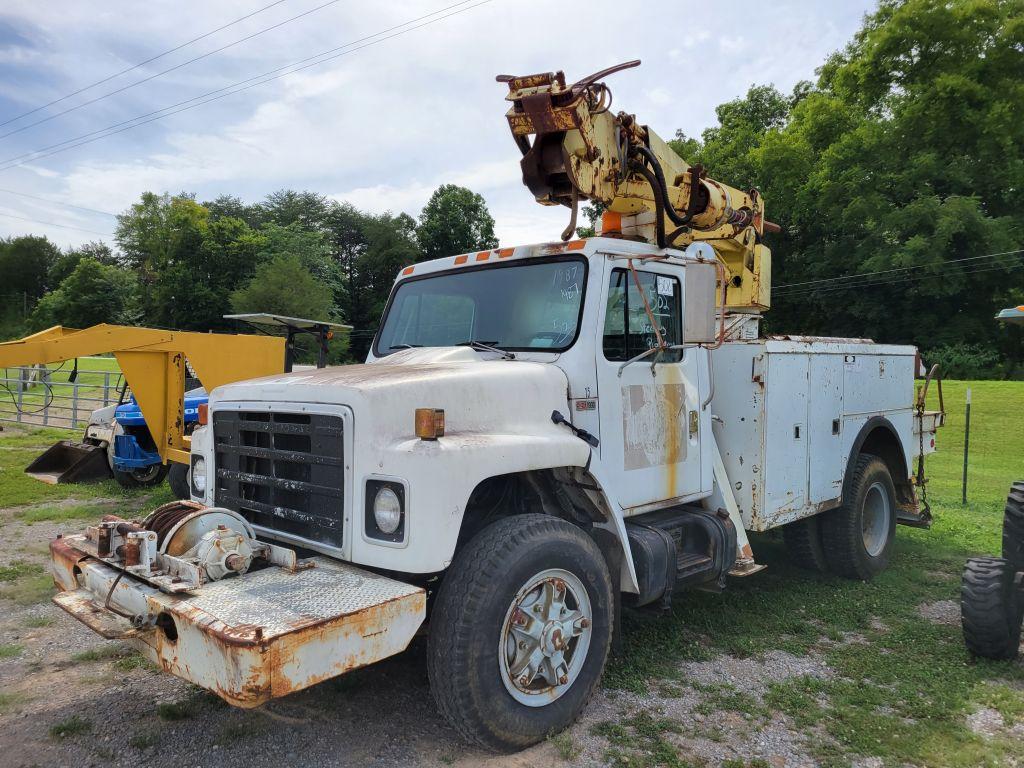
[405,99]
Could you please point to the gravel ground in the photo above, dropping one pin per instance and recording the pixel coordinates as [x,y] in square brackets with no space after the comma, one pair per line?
[380,716]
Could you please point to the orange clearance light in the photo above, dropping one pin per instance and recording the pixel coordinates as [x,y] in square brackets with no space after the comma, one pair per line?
[429,423]
[462,259]
[204,413]
[611,223]
[408,270]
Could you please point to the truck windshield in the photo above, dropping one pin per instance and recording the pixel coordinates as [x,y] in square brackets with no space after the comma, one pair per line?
[534,305]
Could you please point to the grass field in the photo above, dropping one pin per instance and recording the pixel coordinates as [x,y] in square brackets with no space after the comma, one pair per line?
[902,685]
[903,691]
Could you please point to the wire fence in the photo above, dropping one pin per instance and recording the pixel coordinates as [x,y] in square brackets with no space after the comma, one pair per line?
[56,397]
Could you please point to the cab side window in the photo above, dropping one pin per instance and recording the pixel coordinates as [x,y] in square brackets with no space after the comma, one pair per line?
[628,330]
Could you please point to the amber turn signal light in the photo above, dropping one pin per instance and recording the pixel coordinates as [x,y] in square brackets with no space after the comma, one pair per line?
[204,413]
[429,423]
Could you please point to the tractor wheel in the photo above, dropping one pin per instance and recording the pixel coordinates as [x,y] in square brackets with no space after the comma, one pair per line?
[178,480]
[858,536]
[803,540]
[1013,527]
[520,631]
[144,477]
[990,608]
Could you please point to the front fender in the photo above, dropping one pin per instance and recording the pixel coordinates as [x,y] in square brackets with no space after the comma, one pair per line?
[439,478]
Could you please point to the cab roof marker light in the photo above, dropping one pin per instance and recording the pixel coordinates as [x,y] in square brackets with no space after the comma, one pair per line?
[504,253]
[483,256]
[461,259]
[408,270]
[576,245]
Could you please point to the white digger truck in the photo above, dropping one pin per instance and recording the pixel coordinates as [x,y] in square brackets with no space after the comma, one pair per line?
[540,436]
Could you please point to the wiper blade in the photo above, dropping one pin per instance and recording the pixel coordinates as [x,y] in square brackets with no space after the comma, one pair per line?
[486,346]
[404,346]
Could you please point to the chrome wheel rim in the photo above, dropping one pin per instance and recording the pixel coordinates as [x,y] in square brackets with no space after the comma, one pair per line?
[875,519]
[545,637]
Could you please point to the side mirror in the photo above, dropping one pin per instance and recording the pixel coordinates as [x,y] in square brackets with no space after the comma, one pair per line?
[700,307]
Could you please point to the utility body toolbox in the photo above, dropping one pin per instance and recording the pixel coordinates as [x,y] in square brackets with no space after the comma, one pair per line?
[792,411]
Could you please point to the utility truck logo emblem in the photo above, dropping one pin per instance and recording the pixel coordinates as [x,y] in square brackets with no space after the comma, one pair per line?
[586,405]
[651,425]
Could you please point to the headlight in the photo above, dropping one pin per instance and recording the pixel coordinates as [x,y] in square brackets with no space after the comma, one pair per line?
[387,510]
[199,475]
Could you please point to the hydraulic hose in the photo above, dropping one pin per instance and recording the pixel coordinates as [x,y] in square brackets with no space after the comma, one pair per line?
[659,201]
[659,174]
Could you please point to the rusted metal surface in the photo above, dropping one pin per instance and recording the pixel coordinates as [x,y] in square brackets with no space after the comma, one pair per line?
[247,638]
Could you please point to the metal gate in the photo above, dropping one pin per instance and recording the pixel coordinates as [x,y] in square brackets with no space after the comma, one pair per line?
[57,396]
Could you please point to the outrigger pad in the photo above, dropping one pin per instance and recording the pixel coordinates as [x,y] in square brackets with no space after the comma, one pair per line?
[69,461]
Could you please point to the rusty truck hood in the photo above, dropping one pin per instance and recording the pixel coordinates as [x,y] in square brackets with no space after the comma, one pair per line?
[478,391]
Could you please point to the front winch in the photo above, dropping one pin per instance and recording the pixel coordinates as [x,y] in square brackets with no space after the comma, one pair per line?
[180,546]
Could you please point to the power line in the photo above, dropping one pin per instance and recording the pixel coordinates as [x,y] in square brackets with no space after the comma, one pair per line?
[862,275]
[169,69]
[143,63]
[58,202]
[895,281]
[135,122]
[61,226]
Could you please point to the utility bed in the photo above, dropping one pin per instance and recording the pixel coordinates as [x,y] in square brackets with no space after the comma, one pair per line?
[792,410]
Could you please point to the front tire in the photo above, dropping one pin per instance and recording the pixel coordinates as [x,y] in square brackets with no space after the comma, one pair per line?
[858,536]
[144,477]
[178,480]
[520,631]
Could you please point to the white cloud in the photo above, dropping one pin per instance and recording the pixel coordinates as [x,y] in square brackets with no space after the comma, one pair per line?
[381,127]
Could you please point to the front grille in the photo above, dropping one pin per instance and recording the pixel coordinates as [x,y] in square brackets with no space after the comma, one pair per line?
[282,471]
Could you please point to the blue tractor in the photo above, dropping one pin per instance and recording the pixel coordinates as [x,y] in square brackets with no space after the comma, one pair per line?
[134,459]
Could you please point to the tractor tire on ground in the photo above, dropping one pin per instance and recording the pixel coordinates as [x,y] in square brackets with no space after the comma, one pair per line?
[858,536]
[990,608]
[1013,527]
[803,541]
[520,631]
[178,480]
[146,477]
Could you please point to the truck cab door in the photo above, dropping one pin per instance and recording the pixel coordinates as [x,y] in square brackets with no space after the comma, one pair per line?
[650,415]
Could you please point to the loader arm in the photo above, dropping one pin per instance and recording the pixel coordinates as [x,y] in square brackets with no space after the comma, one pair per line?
[153,362]
[583,151]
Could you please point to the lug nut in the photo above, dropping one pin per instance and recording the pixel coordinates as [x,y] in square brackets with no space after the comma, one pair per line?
[584,622]
[563,679]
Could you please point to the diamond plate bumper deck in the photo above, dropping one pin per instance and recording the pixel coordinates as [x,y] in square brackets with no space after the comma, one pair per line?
[249,638]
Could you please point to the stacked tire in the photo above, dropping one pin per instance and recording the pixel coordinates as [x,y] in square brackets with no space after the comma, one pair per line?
[992,590]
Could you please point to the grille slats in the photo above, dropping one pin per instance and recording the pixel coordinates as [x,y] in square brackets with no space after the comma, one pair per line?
[282,471]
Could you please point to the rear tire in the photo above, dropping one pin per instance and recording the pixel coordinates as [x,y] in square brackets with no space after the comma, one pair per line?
[858,536]
[803,540]
[1013,527]
[178,480]
[990,608]
[496,639]
[145,477]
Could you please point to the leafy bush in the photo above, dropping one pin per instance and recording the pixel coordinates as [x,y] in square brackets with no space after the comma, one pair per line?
[966,361]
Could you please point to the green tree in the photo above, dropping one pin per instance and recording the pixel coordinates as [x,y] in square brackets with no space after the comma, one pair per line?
[65,263]
[92,293]
[455,220]
[282,285]
[907,154]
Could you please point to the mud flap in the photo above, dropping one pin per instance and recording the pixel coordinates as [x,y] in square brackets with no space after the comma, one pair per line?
[69,461]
